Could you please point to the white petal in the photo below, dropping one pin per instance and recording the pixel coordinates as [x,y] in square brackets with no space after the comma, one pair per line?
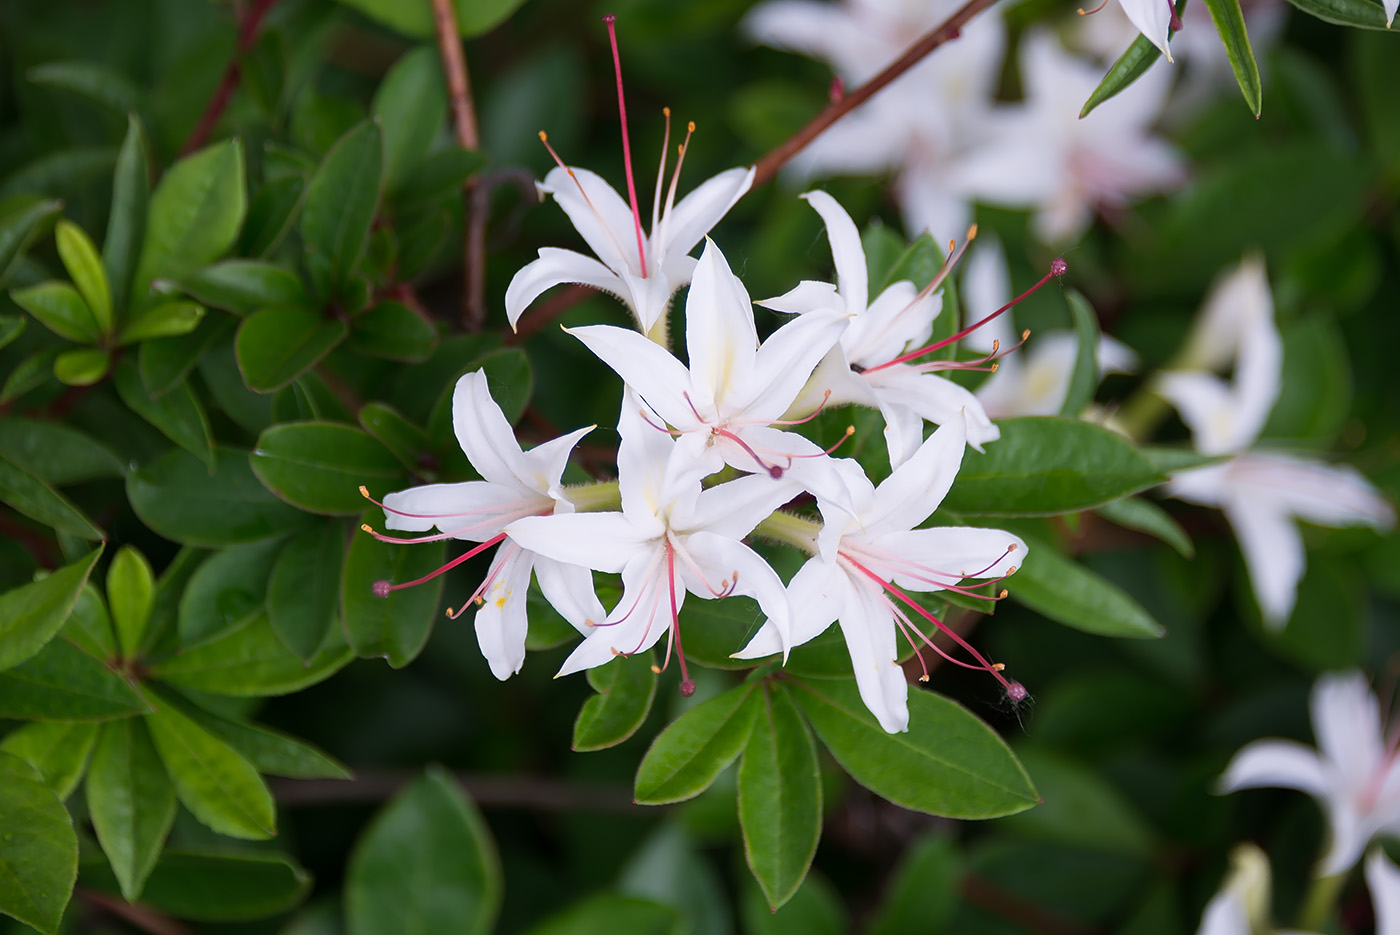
[735,507]
[556,267]
[599,213]
[656,475]
[904,430]
[934,399]
[650,296]
[1208,408]
[868,627]
[657,377]
[501,622]
[1390,7]
[696,213]
[915,488]
[474,510]
[1325,494]
[641,617]
[720,562]
[852,279]
[807,296]
[817,593]
[1113,356]
[986,286]
[1281,763]
[956,552]
[719,329]
[786,361]
[1225,914]
[818,30]
[1273,553]
[895,322]
[601,541]
[1153,19]
[833,383]
[1347,723]
[1383,880]
[569,590]
[485,436]
[545,463]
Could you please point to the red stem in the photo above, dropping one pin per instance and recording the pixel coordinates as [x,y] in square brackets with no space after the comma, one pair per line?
[218,103]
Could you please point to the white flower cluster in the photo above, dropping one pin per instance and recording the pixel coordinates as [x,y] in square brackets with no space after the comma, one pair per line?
[708,453]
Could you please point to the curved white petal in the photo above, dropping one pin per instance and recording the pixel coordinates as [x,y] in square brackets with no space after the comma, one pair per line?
[935,399]
[786,361]
[832,382]
[715,560]
[986,286]
[501,622]
[474,510]
[719,329]
[694,215]
[486,437]
[735,507]
[868,629]
[807,296]
[896,321]
[1325,494]
[1281,763]
[1273,552]
[556,267]
[544,464]
[817,593]
[599,214]
[1347,724]
[569,590]
[641,617]
[1153,19]
[601,541]
[652,373]
[1383,880]
[1208,408]
[852,278]
[953,552]
[915,488]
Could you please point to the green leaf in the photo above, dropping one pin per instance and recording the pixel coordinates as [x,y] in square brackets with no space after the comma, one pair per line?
[244,286]
[321,466]
[1043,465]
[82,367]
[178,414]
[195,214]
[277,345]
[251,661]
[1146,516]
[626,688]
[780,797]
[89,628]
[948,763]
[165,363]
[1168,459]
[1362,14]
[613,914]
[815,909]
[411,107]
[303,597]
[126,225]
[1084,380]
[696,747]
[163,320]
[1229,23]
[177,497]
[714,630]
[98,83]
[438,177]
[340,203]
[62,171]
[131,801]
[63,683]
[272,215]
[59,750]
[226,592]
[79,256]
[394,331]
[1068,593]
[29,374]
[220,886]
[394,627]
[11,327]
[425,864]
[131,589]
[38,848]
[213,780]
[57,453]
[21,227]
[1081,809]
[924,891]
[405,441]
[37,500]
[60,308]
[414,18]
[1131,65]
[32,614]
[511,381]
[272,752]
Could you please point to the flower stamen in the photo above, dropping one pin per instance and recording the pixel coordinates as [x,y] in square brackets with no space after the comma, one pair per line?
[384,588]
[611,20]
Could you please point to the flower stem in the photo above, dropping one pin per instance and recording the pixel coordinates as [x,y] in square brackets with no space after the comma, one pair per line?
[1320,901]
[790,529]
[595,497]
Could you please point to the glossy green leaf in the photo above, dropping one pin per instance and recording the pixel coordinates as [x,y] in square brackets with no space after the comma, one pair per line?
[219,886]
[1131,65]
[98,83]
[213,780]
[321,466]
[815,909]
[1084,380]
[394,331]
[29,374]
[1082,808]
[82,367]
[227,591]
[438,177]
[1229,23]
[1044,465]
[80,258]
[341,199]
[948,763]
[1146,516]
[37,500]
[605,913]
[272,215]
[1068,593]
[924,890]
[272,752]
[714,630]
[405,441]
[131,587]
[38,848]
[60,308]
[303,596]
[59,750]
[696,747]
[131,801]
[32,614]
[163,320]
[195,214]
[425,864]
[126,225]
[89,628]
[244,286]
[170,587]
[277,345]
[11,327]
[57,453]
[415,17]
[63,683]
[178,414]
[394,627]
[165,363]
[176,496]
[60,171]
[1168,459]
[252,661]
[626,687]
[780,797]
[1361,14]
[411,107]
[20,227]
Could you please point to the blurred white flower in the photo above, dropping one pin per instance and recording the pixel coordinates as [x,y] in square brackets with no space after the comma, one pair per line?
[1261,494]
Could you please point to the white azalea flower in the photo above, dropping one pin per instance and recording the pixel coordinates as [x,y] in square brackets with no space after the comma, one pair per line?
[864,368]
[725,403]
[643,269]
[1042,156]
[1260,493]
[1153,18]
[670,538]
[860,557]
[516,483]
[1354,774]
[920,125]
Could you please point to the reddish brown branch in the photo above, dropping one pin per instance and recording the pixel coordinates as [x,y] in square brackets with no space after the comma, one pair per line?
[218,103]
[950,29]
[138,916]
[544,314]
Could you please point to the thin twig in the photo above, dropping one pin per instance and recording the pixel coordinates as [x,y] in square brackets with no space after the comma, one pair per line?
[454,64]
[544,314]
[138,916]
[487,791]
[948,30]
[218,103]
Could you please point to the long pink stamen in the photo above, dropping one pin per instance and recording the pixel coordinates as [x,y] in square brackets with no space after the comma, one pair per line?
[383,588]
[510,549]
[826,397]
[1057,268]
[687,686]
[611,20]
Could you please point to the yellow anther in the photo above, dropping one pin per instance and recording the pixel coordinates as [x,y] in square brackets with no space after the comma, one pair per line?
[972,232]
[364,491]
[1011,547]
[655,668]
[999,666]
[1003,593]
[923,678]
[366,527]
[690,127]
[544,137]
